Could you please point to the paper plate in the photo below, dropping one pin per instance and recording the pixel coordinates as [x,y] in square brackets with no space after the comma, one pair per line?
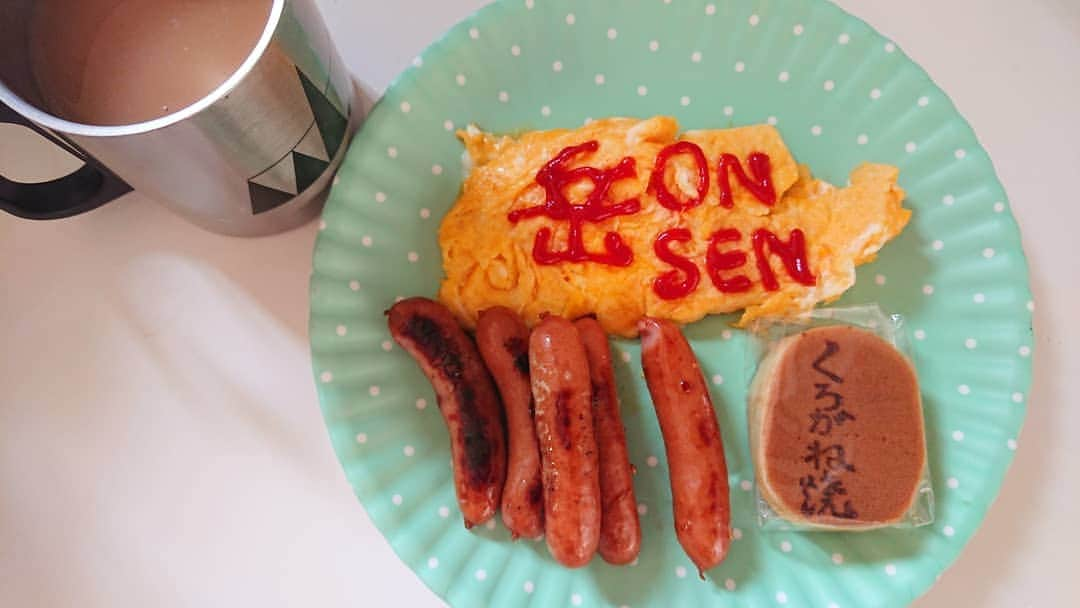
[840,94]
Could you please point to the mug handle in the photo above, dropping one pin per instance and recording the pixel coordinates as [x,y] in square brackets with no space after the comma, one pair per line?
[89,187]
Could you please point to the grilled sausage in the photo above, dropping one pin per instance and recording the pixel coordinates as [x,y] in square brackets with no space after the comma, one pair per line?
[564,428]
[467,399]
[695,450]
[620,530]
[503,340]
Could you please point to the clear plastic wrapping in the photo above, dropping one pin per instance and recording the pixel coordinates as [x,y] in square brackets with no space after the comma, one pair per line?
[836,423]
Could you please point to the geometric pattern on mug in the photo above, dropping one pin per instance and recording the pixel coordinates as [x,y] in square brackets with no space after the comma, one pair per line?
[309,158]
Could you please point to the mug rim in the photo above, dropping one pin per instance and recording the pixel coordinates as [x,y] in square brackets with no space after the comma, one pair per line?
[56,123]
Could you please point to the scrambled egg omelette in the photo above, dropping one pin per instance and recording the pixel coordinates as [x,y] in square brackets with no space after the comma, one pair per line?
[491,259]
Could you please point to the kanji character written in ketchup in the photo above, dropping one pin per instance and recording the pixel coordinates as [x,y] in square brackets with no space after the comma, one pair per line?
[554,177]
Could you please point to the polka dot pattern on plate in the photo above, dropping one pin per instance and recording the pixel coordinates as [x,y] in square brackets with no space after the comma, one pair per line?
[694,75]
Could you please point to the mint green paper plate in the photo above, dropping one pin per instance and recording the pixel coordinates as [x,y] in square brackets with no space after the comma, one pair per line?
[840,94]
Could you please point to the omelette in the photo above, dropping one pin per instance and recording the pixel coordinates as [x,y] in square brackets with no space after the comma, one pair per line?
[624,218]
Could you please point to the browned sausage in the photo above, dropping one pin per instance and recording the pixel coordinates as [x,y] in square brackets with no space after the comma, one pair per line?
[467,399]
[564,427]
[695,450]
[503,340]
[620,530]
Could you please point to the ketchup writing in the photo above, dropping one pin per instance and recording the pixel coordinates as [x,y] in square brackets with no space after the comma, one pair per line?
[675,284]
[792,253]
[554,177]
[760,186]
[715,261]
[658,185]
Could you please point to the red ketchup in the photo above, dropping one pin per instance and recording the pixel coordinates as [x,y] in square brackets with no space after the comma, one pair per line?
[675,284]
[555,177]
[716,261]
[658,186]
[760,186]
[792,254]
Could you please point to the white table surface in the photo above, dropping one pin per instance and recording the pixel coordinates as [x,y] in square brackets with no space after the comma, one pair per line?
[160,440]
